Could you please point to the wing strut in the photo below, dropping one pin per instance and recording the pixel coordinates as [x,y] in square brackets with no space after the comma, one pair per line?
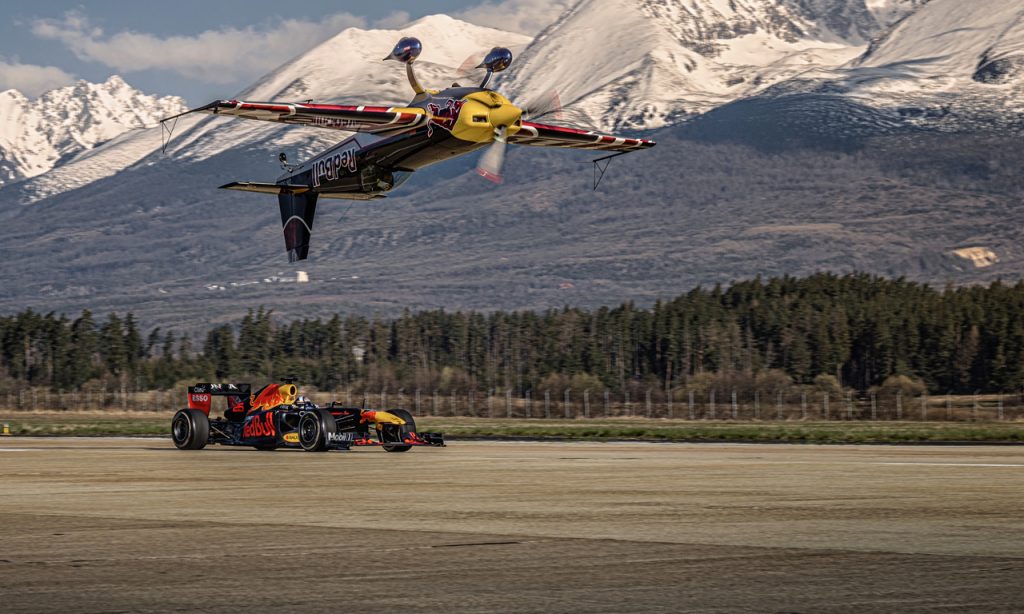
[167,132]
[600,170]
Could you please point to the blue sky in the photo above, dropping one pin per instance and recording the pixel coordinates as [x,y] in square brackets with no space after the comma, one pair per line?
[219,46]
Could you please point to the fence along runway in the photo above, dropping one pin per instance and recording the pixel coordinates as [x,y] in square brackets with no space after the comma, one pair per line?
[712,404]
[133,524]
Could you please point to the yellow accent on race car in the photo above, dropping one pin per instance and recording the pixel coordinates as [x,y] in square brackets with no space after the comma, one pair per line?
[272,396]
[482,113]
[383,417]
[291,437]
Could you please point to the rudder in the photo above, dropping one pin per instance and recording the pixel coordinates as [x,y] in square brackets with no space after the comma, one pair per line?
[297,212]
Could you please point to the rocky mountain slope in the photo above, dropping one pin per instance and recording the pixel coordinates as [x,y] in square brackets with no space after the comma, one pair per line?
[164,243]
[37,135]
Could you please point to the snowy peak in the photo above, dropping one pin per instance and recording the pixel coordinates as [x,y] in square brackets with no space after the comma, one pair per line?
[37,135]
[889,12]
[707,26]
[951,40]
[642,64]
[348,67]
[949,66]
[943,66]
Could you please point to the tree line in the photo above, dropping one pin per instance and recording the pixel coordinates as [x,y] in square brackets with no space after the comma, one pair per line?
[854,331]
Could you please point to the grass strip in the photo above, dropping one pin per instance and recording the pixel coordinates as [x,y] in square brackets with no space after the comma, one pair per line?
[793,432]
[156,424]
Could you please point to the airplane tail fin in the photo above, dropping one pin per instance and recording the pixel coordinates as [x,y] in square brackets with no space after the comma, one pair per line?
[297,212]
[298,207]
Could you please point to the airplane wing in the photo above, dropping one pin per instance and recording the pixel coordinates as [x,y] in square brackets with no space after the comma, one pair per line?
[336,117]
[541,135]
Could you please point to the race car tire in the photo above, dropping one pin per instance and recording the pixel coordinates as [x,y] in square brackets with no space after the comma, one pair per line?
[405,429]
[315,428]
[190,429]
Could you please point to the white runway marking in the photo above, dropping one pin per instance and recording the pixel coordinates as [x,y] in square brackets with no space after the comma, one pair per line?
[955,464]
[16,450]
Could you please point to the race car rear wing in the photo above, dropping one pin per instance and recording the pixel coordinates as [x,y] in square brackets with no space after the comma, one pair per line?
[201,395]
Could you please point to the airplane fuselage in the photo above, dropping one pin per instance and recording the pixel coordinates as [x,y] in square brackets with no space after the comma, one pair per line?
[458,121]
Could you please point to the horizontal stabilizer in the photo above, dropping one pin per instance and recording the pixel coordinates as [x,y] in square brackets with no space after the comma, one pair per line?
[285,188]
[265,188]
[350,195]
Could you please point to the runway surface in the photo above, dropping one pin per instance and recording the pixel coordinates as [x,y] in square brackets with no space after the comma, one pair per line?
[136,525]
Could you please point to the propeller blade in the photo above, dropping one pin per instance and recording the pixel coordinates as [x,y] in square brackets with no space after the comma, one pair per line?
[468,66]
[547,103]
[494,158]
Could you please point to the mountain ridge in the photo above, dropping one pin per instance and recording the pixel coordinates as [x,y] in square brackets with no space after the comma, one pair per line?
[41,134]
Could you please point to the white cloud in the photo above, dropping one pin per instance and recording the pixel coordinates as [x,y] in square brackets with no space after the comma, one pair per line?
[217,56]
[524,16]
[233,55]
[393,21]
[30,79]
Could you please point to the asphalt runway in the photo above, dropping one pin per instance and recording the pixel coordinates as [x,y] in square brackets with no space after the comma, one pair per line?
[118,525]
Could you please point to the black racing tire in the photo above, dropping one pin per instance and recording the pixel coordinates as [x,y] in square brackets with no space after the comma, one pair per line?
[408,427]
[190,429]
[315,428]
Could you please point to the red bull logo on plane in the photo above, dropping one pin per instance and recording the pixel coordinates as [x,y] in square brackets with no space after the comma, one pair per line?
[334,166]
[444,116]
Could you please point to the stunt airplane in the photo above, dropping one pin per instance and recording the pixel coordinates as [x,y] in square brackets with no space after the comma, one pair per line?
[392,142]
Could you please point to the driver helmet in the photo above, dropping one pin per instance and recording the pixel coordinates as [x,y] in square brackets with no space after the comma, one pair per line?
[301,400]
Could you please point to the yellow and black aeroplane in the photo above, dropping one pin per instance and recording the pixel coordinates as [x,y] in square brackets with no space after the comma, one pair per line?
[392,142]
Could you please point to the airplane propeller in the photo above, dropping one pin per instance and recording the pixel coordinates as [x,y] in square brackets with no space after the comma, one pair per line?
[465,70]
[492,160]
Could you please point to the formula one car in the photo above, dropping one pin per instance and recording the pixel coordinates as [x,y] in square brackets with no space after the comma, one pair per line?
[276,417]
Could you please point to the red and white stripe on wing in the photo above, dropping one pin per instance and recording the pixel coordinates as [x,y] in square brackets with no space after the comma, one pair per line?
[336,117]
[542,135]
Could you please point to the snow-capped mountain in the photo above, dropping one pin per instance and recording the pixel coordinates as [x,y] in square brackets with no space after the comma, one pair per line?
[344,69]
[37,135]
[644,64]
[965,59]
[949,66]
